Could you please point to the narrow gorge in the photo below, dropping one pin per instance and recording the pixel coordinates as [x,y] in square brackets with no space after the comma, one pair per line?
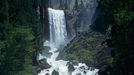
[65,51]
[58,39]
[66,37]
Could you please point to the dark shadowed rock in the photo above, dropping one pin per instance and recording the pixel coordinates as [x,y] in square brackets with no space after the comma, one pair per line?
[105,70]
[82,67]
[46,48]
[43,64]
[84,72]
[38,69]
[70,67]
[47,74]
[55,73]
[78,74]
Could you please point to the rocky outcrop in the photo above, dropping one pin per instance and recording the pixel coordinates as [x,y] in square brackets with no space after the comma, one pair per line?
[79,13]
[88,47]
[42,64]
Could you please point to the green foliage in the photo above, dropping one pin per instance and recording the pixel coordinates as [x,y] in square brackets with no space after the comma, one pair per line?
[85,55]
[122,17]
[20,36]
[82,55]
[81,48]
[18,48]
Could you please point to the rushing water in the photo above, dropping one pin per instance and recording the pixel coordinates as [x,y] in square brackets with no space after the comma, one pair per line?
[58,33]
[58,38]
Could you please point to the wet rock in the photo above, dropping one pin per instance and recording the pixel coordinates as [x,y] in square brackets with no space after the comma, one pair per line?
[82,67]
[70,67]
[46,48]
[43,64]
[78,74]
[47,74]
[84,72]
[46,52]
[38,69]
[55,73]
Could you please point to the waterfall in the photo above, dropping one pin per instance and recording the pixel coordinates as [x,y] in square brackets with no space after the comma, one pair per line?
[57,24]
[58,37]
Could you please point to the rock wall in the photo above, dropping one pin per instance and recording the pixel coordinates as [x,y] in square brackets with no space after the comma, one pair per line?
[79,13]
[88,47]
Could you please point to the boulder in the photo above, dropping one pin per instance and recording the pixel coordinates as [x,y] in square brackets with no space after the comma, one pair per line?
[78,74]
[55,73]
[84,72]
[70,67]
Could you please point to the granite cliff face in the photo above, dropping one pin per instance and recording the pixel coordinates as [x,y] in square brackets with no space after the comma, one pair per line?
[79,13]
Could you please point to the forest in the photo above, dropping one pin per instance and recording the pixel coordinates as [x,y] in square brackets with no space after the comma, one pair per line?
[21,36]
[121,17]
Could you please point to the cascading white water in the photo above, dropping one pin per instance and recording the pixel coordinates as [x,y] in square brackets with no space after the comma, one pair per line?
[58,33]
[58,37]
